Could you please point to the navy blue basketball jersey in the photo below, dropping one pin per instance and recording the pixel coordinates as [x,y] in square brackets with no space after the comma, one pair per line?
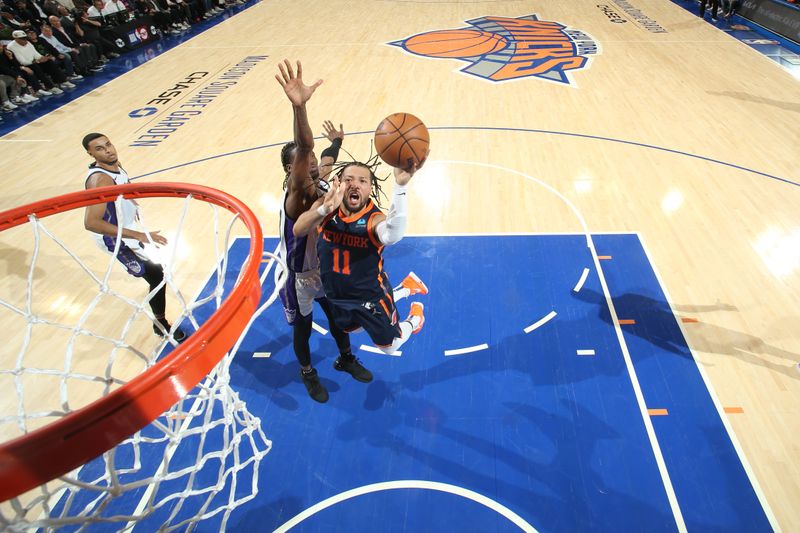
[350,257]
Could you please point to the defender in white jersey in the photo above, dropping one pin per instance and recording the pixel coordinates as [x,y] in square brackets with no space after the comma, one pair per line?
[104,220]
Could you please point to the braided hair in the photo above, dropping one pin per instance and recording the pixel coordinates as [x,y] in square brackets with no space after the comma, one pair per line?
[287,155]
[372,165]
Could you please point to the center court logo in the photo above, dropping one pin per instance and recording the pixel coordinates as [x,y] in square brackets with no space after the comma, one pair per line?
[502,49]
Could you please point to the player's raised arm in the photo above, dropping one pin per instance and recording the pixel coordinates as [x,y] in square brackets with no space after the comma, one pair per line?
[308,221]
[393,228]
[300,181]
[330,154]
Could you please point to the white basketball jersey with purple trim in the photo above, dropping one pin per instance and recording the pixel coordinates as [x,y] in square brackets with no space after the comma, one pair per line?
[126,217]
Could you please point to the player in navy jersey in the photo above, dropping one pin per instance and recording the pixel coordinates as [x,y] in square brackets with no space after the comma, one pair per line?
[103,220]
[303,185]
[352,232]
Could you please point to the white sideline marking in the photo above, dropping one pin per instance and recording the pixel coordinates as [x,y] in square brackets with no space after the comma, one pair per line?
[581,281]
[410,484]
[470,349]
[540,322]
[374,349]
[319,329]
[585,352]
[261,355]
[762,497]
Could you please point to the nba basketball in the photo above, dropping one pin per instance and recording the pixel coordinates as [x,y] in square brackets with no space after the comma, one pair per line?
[402,140]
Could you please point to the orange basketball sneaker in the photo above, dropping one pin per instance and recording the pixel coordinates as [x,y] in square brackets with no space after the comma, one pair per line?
[416,310]
[414,285]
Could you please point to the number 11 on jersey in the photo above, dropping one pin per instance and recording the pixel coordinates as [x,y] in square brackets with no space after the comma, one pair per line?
[345,264]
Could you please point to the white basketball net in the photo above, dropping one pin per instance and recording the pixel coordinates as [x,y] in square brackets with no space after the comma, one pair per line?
[199,459]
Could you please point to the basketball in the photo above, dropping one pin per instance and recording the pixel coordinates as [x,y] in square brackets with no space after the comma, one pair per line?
[402,140]
[455,43]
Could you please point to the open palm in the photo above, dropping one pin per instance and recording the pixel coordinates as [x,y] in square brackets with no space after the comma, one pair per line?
[298,92]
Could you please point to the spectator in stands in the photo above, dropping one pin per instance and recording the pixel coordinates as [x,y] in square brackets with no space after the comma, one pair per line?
[10,63]
[11,74]
[83,54]
[68,4]
[714,8]
[50,7]
[29,12]
[66,17]
[95,11]
[9,87]
[79,55]
[44,68]
[61,53]
[729,8]
[161,16]
[114,6]
[179,12]
[11,20]
[89,31]
[5,31]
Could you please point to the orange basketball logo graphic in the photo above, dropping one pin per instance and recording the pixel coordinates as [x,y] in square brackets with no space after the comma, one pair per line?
[455,43]
[502,49]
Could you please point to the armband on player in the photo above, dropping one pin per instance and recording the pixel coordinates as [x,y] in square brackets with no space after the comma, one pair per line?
[332,151]
[391,230]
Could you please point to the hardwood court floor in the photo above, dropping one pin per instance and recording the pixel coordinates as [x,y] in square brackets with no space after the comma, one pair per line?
[685,136]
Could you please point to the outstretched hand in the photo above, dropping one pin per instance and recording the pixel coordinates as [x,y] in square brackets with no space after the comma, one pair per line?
[156,237]
[332,133]
[403,175]
[333,198]
[298,92]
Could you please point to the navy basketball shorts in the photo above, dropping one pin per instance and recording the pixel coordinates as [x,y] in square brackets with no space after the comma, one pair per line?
[379,319]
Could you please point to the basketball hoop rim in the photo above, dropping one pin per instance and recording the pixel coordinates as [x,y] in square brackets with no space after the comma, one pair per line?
[58,448]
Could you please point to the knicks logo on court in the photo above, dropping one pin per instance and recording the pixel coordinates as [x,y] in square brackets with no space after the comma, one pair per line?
[502,49]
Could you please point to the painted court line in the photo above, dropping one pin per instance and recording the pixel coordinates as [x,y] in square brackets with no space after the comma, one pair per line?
[410,484]
[540,322]
[585,352]
[470,349]
[773,521]
[261,355]
[581,281]
[319,329]
[637,389]
[657,412]
[373,349]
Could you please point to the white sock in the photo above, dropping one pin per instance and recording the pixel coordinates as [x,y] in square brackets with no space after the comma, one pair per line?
[405,332]
[401,293]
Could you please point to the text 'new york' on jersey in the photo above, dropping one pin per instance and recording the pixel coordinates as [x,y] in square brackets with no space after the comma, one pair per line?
[351,257]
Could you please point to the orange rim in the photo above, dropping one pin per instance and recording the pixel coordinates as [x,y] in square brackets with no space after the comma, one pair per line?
[46,453]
